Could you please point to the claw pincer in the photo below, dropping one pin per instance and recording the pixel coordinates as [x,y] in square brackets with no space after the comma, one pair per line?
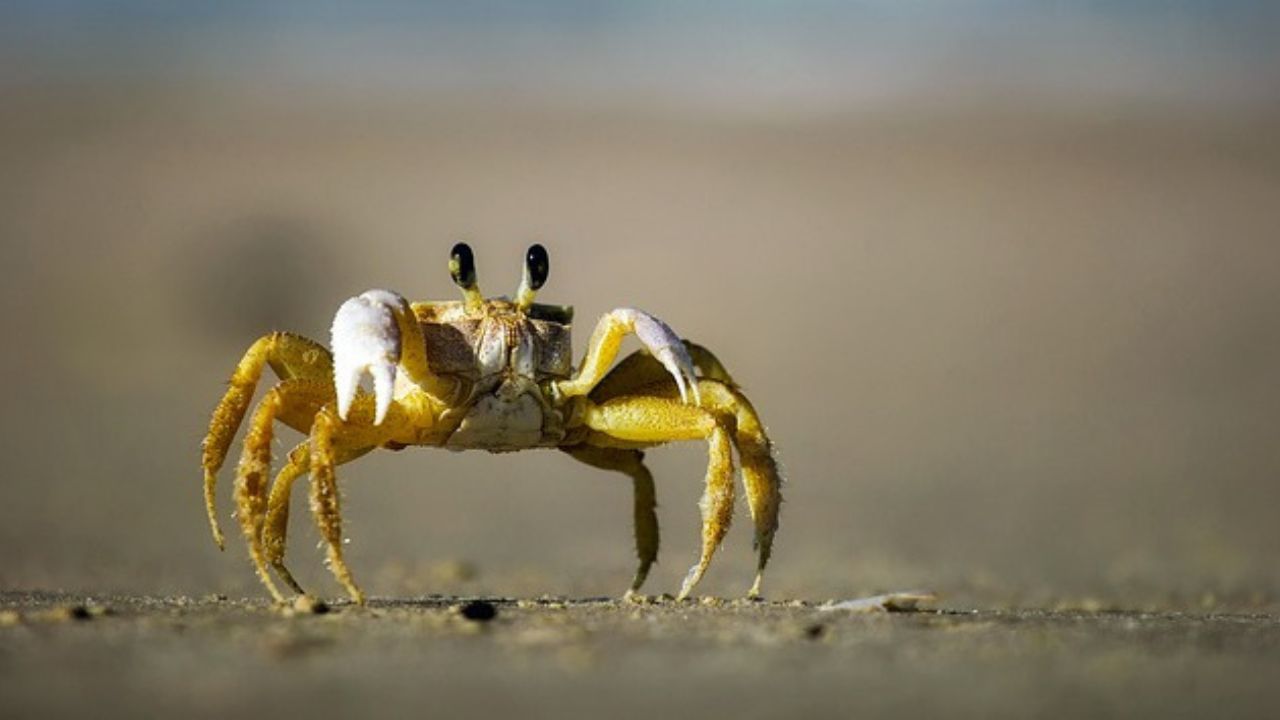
[366,338]
[660,340]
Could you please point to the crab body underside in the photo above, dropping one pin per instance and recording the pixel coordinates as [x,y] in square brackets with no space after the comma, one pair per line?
[490,374]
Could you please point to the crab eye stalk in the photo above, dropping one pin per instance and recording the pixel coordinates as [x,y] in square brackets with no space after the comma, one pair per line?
[462,267]
[538,265]
[536,268]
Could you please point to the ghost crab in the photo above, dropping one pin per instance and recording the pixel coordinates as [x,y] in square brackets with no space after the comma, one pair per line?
[489,374]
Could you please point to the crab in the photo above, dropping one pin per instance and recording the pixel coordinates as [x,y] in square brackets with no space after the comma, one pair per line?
[484,374]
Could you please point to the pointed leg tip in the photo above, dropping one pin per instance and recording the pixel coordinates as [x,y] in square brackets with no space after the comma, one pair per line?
[685,591]
[276,596]
[288,578]
[691,580]
[637,581]
[218,538]
[270,585]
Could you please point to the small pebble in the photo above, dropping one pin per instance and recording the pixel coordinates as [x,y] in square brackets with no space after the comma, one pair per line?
[76,612]
[815,631]
[311,606]
[478,611]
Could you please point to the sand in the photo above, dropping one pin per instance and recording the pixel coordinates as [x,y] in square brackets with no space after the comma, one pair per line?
[140,656]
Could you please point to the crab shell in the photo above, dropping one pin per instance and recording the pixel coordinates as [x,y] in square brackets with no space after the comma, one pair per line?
[503,359]
[468,346]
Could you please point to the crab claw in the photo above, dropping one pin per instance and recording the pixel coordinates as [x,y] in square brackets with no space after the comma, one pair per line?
[663,343]
[366,338]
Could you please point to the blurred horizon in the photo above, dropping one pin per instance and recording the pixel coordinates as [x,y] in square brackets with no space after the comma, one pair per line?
[756,58]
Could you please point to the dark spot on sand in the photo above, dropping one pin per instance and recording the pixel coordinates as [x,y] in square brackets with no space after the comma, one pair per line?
[478,611]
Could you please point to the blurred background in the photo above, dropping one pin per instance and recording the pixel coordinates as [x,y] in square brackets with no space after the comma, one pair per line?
[1002,278]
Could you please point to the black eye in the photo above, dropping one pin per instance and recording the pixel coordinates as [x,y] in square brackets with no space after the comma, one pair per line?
[538,264]
[462,265]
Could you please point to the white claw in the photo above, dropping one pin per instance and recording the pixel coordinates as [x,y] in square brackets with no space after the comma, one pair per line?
[366,338]
[660,340]
[678,363]
[384,382]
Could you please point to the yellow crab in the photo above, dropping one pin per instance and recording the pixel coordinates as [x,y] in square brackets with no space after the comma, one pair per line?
[490,374]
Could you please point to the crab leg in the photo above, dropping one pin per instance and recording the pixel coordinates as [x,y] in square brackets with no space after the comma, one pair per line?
[760,476]
[646,419]
[640,372]
[334,441]
[251,488]
[656,336]
[325,502]
[709,366]
[276,528]
[290,356]
[631,463]
[294,401]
